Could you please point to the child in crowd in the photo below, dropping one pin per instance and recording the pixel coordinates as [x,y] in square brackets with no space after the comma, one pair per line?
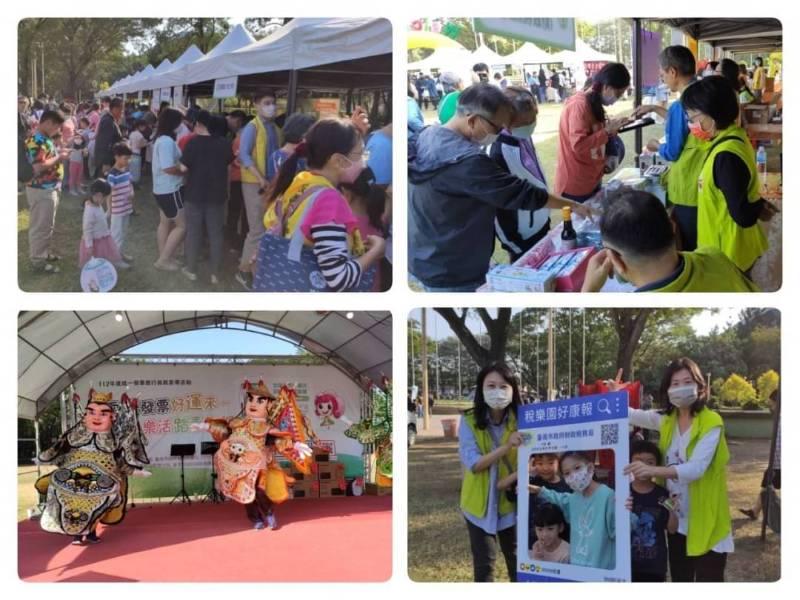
[96,241]
[549,523]
[651,514]
[589,510]
[139,144]
[121,202]
[77,154]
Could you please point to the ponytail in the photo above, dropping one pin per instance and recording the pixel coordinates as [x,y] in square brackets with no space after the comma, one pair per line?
[614,75]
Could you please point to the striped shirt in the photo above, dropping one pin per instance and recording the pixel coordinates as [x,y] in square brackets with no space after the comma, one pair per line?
[340,270]
[121,183]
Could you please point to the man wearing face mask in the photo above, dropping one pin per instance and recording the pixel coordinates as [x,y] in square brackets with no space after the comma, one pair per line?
[260,138]
[455,190]
[640,247]
[519,230]
[692,442]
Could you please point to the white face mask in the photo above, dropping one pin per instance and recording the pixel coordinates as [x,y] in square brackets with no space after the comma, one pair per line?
[609,100]
[268,110]
[497,398]
[524,132]
[682,396]
[580,478]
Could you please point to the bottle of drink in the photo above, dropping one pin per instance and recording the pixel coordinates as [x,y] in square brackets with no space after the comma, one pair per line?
[569,238]
[761,164]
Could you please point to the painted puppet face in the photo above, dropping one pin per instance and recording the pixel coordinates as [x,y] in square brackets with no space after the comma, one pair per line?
[98,418]
[256,406]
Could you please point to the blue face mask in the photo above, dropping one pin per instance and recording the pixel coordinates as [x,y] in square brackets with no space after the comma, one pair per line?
[524,132]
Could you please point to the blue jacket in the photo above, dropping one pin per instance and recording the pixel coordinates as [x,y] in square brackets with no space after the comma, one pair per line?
[455,190]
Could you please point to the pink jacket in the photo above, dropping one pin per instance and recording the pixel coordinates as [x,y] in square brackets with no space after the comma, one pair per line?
[581,149]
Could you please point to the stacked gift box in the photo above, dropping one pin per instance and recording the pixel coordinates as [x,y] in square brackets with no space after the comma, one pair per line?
[326,479]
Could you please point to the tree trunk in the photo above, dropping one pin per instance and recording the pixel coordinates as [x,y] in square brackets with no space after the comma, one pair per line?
[497,329]
[629,324]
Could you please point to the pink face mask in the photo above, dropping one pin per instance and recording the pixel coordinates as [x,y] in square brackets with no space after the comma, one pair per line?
[351,173]
[697,131]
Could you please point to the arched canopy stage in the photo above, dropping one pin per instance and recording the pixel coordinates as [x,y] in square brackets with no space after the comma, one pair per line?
[55,349]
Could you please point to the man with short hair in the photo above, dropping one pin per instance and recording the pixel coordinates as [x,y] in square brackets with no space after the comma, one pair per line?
[639,247]
[42,191]
[455,190]
[108,134]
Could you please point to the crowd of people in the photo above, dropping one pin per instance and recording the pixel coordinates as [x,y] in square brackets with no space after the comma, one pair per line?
[475,180]
[676,498]
[236,180]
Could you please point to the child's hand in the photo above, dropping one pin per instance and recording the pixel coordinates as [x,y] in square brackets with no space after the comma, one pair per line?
[534,489]
[629,503]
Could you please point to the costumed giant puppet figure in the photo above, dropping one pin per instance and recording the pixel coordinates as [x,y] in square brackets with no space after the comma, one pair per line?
[252,443]
[94,458]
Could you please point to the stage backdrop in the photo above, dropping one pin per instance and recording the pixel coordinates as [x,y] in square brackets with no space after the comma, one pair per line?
[171,397]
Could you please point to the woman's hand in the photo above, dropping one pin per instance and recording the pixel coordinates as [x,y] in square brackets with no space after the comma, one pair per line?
[375,244]
[598,270]
[615,384]
[514,440]
[583,210]
[639,470]
[614,125]
[768,210]
[360,120]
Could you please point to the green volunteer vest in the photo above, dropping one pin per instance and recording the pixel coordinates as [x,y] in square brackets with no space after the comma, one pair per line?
[475,486]
[681,179]
[715,226]
[709,270]
[709,514]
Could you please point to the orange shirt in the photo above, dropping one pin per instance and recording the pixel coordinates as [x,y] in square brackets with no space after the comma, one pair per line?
[581,149]
[235,170]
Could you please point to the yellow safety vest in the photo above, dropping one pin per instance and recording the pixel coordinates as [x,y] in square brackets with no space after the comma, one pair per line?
[715,226]
[475,486]
[681,179]
[259,153]
[709,270]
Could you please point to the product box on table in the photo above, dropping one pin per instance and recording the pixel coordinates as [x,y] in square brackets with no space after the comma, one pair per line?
[332,471]
[508,278]
[330,489]
[305,489]
[568,268]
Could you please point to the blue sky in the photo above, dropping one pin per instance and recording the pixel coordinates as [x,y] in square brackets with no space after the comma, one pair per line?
[217,342]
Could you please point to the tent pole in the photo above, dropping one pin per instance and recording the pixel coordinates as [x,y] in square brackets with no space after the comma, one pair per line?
[426,417]
[291,101]
[637,76]
[38,448]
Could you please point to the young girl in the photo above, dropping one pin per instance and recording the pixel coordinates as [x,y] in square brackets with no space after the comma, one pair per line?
[549,546]
[368,202]
[334,152]
[76,155]
[589,510]
[96,241]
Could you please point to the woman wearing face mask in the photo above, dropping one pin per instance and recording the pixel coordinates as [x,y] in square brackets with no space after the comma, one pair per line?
[519,230]
[692,441]
[334,155]
[260,138]
[487,443]
[729,204]
[583,132]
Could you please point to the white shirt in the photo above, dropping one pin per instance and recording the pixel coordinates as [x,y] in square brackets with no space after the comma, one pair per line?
[166,154]
[688,469]
[138,141]
[95,225]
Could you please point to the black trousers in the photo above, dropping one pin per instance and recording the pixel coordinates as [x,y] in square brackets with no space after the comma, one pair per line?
[203,219]
[258,509]
[236,223]
[484,551]
[648,577]
[686,219]
[707,567]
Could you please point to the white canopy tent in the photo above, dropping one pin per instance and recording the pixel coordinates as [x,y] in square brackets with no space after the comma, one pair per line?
[55,349]
[445,59]
[483,54]
[301,44]
[529,54]
[190,55]
[583,53]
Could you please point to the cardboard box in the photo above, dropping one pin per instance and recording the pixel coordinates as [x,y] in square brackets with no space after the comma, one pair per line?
[330,489]
[332,471]
[304,490]
[321,456]
[377,490]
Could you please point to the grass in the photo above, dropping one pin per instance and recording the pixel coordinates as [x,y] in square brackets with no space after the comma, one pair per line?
[141,243]
[438,546]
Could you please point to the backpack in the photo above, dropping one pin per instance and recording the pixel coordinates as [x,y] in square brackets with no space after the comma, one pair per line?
[24,166]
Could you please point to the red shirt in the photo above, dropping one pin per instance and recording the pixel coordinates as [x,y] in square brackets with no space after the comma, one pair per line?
[581,149]
[235,170]
[182,141]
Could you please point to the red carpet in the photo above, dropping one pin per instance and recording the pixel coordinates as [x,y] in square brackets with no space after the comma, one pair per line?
[330,539]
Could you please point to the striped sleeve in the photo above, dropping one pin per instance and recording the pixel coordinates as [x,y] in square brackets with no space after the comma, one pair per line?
[341,272]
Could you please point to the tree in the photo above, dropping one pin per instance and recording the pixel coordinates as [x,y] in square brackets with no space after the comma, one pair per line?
[762,350]
[629,323]
[737,391]
[261,27]
[496,329]
[767,383]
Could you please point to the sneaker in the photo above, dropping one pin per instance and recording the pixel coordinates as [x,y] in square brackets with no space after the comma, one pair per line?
[127,258]
[47,268]
[188,274]
[244,279]
[214,280]
[53,258]
[122,265]
[92,538]
[77,540]
[258,525]
[166,266]
[272,522]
